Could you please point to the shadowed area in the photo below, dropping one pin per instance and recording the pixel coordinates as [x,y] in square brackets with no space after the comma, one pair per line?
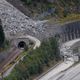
[21,45]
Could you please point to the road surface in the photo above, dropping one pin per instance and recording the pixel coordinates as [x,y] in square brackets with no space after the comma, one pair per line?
[60,68]
[71,74]
[59,73]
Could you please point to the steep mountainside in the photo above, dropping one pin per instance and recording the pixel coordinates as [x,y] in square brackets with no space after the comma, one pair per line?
[40,8]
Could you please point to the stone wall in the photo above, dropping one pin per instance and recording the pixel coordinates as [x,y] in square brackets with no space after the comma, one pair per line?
[16,41]
[70,31]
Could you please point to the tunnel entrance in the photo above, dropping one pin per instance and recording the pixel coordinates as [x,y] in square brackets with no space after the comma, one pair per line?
[22,45]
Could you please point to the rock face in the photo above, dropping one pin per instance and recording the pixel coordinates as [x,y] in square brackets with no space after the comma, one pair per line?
[16,22]
[13,20]
[70,31]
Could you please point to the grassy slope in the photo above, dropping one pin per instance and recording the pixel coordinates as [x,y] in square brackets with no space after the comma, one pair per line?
[70,18]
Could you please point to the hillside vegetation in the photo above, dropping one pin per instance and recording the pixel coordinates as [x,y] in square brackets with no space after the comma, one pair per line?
[36,61]
[61,7]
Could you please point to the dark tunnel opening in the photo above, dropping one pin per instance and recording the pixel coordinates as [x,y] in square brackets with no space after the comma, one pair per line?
[22,45]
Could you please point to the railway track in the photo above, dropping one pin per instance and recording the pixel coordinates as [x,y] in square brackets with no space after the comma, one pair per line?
[13,55]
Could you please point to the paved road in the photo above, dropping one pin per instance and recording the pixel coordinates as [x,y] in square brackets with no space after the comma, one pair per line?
[59,73]
[60,68]
[71,74]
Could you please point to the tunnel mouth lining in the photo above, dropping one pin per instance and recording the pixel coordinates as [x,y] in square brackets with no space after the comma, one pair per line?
[22,45]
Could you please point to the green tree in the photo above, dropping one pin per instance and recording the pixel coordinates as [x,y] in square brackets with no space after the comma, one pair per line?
[35,61]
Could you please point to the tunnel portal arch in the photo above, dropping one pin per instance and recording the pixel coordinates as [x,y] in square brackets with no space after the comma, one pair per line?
[21,43]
